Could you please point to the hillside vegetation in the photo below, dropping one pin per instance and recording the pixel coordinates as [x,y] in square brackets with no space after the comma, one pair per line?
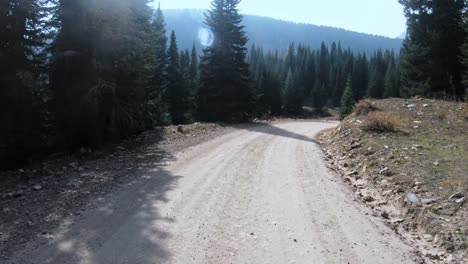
[407,160]
[274,34]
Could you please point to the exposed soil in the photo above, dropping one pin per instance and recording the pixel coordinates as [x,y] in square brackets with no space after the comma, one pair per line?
[415,178]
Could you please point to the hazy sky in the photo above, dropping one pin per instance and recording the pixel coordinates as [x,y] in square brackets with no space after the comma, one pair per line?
[380,17]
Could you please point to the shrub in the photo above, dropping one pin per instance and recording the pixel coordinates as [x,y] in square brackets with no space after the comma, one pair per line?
[381,122]
[364,107]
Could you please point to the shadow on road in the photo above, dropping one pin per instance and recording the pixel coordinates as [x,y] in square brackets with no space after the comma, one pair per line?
[123,218]
[275,130]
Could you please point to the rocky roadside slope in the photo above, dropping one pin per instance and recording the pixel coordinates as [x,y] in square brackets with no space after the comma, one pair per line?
[411,169]
[35,200]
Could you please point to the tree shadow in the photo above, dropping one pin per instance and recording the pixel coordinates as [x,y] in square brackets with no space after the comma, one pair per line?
[123,223]
[120,230]
[275,130]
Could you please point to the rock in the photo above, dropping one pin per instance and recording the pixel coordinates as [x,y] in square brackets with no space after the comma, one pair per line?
[385,215]
[460,201]
[397,221]
[432,254]
[387,193]
[428,201]
[425,105]
[18,194]
[80,169]
[455,196]
[411,106]
[416,146]
[361,183]
[436,163]
[120,148]
[21,171]
[412,198]
[428,237]
[368,198]
[355,146]
[37,187]
[181,129]
[6,210]
[73,165]
[352,173]
[384,172]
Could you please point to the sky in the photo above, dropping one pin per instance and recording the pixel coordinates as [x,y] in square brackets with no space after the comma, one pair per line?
[378,17]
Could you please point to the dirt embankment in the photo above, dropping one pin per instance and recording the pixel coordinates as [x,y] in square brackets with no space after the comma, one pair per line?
[35,200]
[407,160]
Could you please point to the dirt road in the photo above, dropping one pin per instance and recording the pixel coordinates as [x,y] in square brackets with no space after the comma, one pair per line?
[259,195]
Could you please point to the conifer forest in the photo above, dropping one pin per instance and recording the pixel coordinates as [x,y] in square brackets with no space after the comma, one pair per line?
[83,73]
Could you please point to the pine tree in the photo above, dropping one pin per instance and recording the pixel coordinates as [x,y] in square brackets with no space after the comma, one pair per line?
[175,85]
[430,55]
[157,95]
[17,80]
[347,100]
[465,56]
[293,94]
[226,93]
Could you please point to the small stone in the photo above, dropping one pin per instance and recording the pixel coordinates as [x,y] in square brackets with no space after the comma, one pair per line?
[461,200]
[428,201]
[428,237]
[410,106]
[37,187]
[431,254]
[361,183]
[6,210]
[18,194]
[352,173]
[295,240]
[251,234]
[412,198]
[436,163]
[73,165]
[368,198]
[21,171]
[457,195]
[385,215]
[397,221]
[384,171]
[388,192]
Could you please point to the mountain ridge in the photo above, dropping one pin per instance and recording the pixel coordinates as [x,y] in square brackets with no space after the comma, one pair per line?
[276,34]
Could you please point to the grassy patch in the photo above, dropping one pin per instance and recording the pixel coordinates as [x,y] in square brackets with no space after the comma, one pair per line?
[364,107]
[381,122]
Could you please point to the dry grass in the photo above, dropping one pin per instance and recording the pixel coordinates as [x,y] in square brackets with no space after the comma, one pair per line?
[381,122]
[429,148]
[364,107]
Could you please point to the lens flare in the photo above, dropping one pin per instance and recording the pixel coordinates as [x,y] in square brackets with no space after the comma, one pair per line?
[205,37]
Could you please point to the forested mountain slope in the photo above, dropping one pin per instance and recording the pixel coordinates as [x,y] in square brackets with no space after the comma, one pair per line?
[276,34]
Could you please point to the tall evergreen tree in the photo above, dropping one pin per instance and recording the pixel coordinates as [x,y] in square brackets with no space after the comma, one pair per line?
[157,95]
[17,79]
[226,92]
[175,84]
[430,63]
[347,100]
